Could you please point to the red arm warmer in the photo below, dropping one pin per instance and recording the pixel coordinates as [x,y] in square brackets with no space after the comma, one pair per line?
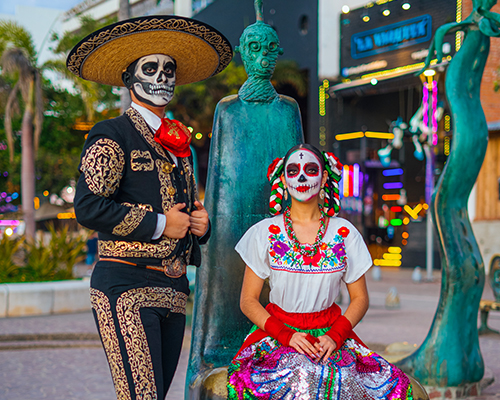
[282,333]
[278,330]
[339,331]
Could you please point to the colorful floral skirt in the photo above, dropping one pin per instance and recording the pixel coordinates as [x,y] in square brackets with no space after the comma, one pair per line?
[268,370]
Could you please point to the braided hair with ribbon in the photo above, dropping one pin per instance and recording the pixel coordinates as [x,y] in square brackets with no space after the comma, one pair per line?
[328,161]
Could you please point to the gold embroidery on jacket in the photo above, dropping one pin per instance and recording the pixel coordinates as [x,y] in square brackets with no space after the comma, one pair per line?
[124,249]
[131,221]
[167,190]
[143,128]
[141,160]
[102,167]
[147,207]
[100,304]
[128,311]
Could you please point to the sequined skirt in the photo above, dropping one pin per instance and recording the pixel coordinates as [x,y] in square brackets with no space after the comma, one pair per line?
[268,370]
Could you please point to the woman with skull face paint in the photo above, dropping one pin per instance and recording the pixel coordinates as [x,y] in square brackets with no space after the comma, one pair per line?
[137,190]
[301,345]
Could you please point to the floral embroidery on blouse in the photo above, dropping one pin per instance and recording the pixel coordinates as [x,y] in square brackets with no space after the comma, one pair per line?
[331,256]
[344,232]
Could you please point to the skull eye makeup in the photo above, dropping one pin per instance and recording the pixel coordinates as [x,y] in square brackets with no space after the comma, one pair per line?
[150,68]
[311,169]
[292,170]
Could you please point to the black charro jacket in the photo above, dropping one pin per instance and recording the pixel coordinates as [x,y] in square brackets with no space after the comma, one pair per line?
[126,180]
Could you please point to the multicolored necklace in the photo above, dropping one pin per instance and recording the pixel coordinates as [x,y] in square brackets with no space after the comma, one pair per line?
[305,249]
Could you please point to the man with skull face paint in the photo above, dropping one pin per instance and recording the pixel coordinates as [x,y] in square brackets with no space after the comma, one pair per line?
[137,190]
[301,345]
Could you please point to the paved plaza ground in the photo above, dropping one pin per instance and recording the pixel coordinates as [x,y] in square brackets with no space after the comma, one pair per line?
[58,357]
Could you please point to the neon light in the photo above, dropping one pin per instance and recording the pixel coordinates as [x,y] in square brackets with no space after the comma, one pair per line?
[389,256]
[387,263]
[405,235]
[392,172]
[66,215]
[396,222]
[425,206]
[396,209]
[322,96]
[9,222]
[413,212]
[425,104]
[389,197]
[355,185]
[345,177]
[379,135]
[347,136]
[406,220]
[394,250]
[351,180]
[393,185]
[446,145]
[434,112]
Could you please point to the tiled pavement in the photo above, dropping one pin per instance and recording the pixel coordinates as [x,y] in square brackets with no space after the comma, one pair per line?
[57,357]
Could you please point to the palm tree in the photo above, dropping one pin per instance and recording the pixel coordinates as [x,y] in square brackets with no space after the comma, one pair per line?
[18,58]
[91,92]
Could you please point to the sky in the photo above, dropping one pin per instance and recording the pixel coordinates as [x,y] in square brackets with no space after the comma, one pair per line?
[9,6]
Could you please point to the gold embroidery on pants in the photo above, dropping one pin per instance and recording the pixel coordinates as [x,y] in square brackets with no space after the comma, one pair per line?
[100,304]
[134,335]
[131,221]
[124,249]
[102,166]
[141,161]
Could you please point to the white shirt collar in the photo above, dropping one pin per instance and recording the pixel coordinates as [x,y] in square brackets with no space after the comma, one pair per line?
[149,116]
[152,120]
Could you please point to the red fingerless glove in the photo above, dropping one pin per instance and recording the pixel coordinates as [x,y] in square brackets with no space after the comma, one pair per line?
[339,331]
[278,330]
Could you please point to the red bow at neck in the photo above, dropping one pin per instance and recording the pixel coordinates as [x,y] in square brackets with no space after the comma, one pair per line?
[174,136]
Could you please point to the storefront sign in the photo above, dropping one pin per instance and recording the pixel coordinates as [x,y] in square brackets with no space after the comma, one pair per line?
[390,35]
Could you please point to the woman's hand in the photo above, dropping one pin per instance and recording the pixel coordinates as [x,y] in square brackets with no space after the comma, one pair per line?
[302,344]
[326,347]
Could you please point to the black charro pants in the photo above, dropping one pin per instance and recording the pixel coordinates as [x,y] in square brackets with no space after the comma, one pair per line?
[140,315]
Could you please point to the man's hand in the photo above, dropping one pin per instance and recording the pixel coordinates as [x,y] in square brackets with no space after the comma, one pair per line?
[199,220]
[177,222]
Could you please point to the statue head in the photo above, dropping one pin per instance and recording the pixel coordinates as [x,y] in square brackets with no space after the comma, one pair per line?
[259,46]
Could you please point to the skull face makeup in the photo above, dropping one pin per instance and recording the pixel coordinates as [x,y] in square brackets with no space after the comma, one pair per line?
[303,175]
[152,80]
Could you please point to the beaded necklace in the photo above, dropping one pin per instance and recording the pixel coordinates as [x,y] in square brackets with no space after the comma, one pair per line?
[305,249]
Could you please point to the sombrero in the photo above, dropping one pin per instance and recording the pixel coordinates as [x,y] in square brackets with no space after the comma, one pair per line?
[199,50]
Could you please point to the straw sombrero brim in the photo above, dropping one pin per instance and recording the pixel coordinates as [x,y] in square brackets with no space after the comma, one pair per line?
[199,50]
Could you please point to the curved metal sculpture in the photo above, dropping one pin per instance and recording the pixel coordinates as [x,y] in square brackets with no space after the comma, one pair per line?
[450,354]
[250,130]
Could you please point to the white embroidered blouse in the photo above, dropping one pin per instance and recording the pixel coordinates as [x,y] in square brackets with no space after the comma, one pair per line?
[300,283]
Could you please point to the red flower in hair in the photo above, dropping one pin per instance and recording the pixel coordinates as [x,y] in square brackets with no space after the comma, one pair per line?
[343,232]
[272,166]
[274,229]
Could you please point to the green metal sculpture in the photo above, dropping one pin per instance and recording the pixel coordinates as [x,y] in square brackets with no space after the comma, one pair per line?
[450,354]
[250,130]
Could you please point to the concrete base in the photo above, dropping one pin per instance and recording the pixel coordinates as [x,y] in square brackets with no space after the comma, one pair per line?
[43,298]
[462,392]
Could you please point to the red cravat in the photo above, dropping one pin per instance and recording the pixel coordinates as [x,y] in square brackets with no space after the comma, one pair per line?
[174,136]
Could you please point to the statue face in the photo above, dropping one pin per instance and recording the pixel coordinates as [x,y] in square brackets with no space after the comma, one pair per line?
[260,51]
[153,81]
[303,175]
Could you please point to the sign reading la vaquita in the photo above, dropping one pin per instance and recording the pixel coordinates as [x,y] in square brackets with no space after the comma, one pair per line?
[391,37]
[381,37]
